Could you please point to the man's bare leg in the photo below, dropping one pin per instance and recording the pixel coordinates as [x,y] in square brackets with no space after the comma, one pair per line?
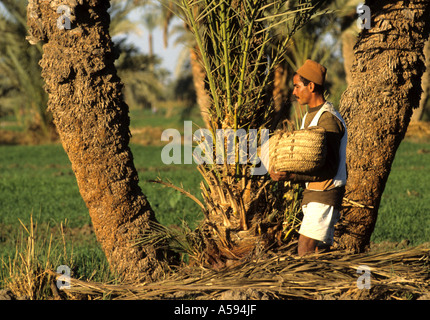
[306,245]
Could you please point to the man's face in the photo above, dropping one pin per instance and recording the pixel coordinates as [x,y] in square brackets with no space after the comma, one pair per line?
[301,92]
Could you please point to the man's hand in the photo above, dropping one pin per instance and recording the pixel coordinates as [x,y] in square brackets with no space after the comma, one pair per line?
[280,176]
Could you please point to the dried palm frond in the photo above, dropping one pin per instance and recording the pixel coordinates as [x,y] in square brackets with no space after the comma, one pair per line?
[181,240]
[397,274]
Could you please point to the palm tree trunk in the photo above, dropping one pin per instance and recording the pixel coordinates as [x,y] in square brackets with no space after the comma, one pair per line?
[202,96]
[425,84]
[348,24]
[281,95]
[92,120]
[377,107]
[150,45]
[348,41]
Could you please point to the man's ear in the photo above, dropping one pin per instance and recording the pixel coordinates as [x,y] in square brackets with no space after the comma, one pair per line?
[311,87]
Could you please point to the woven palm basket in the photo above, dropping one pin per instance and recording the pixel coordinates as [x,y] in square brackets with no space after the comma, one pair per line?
[299,151]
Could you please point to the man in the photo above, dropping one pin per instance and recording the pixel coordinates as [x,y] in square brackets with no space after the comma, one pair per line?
[322,198]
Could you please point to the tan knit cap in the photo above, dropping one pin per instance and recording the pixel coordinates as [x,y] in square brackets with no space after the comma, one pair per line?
[313,71]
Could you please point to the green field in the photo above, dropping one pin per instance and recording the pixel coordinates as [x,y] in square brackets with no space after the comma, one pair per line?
[38,181]
[404,213]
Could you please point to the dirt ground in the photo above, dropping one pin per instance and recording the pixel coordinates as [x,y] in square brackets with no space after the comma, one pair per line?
[418,130]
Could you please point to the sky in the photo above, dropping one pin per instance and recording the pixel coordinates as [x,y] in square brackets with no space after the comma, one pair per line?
[169,55]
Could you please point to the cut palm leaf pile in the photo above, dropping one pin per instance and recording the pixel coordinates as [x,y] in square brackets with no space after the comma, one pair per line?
[400,274]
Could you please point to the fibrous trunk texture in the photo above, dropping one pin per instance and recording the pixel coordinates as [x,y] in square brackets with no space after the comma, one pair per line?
[199,78]
[425,84]
[92,120]
[243,216]
[281,95]
[377,106]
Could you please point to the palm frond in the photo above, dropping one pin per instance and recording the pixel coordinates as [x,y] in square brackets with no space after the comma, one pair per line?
[235,45]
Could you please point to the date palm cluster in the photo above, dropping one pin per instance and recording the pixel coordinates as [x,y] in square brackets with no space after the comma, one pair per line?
[239,44]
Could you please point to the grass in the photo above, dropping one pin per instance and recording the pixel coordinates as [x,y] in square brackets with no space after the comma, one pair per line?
[38,181]
[405,206]
[168,115]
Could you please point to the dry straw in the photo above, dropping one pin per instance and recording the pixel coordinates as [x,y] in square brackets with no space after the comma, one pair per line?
[26,273]
[401,274]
